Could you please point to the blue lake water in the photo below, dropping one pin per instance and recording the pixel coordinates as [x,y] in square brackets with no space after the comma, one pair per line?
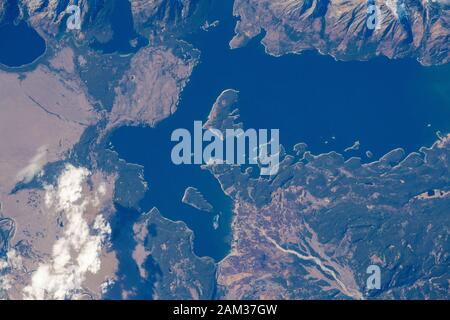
[20,44]
[123,31]
[311,98]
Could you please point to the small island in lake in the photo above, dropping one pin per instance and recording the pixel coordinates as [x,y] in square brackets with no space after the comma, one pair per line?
[195,199]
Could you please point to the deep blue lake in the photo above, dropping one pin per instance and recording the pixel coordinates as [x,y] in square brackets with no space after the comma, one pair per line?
[311,98]
[124,35]
[19,44]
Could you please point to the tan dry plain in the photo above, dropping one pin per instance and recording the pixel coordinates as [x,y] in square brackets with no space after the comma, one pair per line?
[43,113]
[40,112]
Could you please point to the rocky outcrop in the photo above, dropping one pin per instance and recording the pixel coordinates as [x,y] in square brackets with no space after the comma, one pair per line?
[166,261]
[161,13]
[150,91]
[44,15]
[405,28]
[96,15]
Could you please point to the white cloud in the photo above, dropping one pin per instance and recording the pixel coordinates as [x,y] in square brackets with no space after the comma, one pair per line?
[12,260]
[78,251]
[34,166]
[105,286]
[5,281]
[3,264]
